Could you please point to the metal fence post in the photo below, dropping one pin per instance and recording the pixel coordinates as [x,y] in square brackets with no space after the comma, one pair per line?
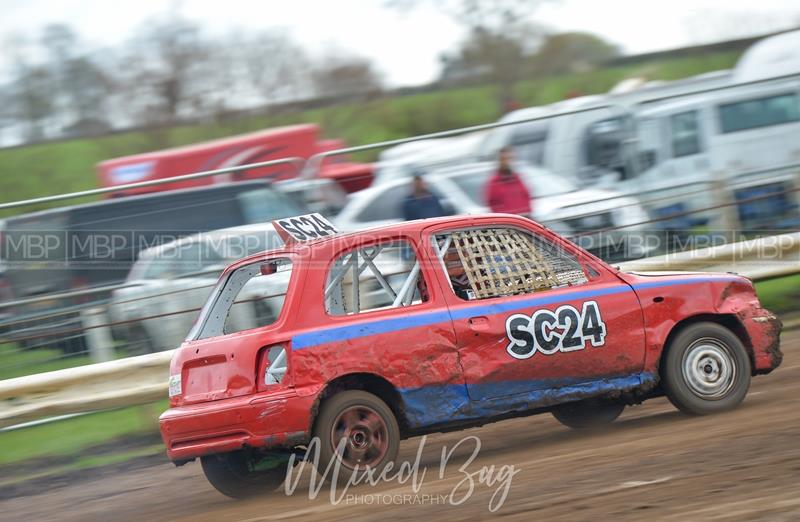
[98,334]
[722,194]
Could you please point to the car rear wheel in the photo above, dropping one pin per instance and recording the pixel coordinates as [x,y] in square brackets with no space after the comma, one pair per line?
[591,413]
[359,430]
[240,474]
[706,370]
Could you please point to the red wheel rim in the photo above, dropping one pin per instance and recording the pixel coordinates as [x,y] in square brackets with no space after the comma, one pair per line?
[366,437]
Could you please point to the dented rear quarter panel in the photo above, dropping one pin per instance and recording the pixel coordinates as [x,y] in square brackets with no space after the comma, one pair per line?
[389,343]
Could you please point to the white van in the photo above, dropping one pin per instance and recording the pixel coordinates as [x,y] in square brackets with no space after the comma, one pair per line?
[742,139]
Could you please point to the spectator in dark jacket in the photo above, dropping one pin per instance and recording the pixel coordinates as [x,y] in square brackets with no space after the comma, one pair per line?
[421,203]
[505,191]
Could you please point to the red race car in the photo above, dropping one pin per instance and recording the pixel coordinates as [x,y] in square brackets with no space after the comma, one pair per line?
[363,339]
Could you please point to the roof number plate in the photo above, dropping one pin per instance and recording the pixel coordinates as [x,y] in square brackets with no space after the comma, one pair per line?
[304,228]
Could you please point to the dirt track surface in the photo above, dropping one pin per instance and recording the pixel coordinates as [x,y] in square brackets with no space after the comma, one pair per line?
[653,463]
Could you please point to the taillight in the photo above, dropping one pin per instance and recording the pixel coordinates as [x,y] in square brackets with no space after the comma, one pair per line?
[175,389]
[79,283]
[5,291]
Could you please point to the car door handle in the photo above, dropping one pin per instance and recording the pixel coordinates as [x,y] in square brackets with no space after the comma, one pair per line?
[478,323]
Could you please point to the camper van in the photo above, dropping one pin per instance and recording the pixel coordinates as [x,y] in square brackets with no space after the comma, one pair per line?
[743,140]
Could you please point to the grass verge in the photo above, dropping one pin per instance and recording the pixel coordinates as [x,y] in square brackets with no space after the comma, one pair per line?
[780,295]
[16,362]
[70,437]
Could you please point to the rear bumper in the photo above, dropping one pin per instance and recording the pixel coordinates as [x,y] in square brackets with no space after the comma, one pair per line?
[764,330]
[262,420]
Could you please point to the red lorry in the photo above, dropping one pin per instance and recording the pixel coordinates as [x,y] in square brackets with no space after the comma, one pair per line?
[301,141]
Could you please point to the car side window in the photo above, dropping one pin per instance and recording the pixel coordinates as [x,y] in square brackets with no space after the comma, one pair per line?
[759,112]
[161,266]
[529,141]
[380,276]
[482,263]
[387,206]
[685,130]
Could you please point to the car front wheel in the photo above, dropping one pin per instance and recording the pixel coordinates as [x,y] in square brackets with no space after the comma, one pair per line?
[706,370]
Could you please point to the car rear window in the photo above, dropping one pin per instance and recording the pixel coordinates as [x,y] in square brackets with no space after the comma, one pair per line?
[250,297]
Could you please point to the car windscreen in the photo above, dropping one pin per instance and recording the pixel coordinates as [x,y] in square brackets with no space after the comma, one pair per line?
[473,185]
[265,204]
[190,258]
[237,246]
[529,141]
[386,206]
[544,184]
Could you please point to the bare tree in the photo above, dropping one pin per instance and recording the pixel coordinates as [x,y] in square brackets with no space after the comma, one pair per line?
[60,43]
[30,91]
[346,75]
[33,98]
[81,86]
[276,67]
[572,52]
[166,73]
[499,57]
[500,35]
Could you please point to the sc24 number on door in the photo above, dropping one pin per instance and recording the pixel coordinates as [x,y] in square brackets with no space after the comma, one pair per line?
[566,329]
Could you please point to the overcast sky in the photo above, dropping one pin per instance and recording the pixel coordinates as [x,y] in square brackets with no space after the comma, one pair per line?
[406,46]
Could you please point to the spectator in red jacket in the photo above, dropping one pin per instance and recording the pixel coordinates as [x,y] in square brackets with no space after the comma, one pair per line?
[505,191]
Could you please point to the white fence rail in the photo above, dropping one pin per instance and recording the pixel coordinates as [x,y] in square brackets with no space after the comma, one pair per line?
[112,384]
[143,379]
[762,258]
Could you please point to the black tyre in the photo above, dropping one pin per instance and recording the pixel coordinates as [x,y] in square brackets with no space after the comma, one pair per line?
[706,369]
[139,341]
[74,345]
[362,426]
[241,475]
[591,413]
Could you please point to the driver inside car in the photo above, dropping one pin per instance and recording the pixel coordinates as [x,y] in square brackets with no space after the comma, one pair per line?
[458,275]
